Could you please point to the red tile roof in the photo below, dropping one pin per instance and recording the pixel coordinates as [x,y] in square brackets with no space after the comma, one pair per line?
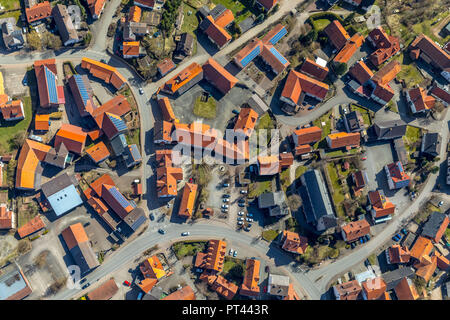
[268,165]
[307,135]
[442,262]
[441,94]
[361,72]
[244,52]
[105,291]
[374,289]
[436,55]
[293,242]
[41,122]
[98,152]
[302,149]
[28,164]
[103,71]
[426,266]
[398,254]
[225,18]
[397,172]
[355,230]
[343,139]
[6,218]
[99,182]
[224,287]
[145,3]
[134,14]
[249,285]
[186,293]
[380,204]
[270,55]
[188,200]
[218,76]
[31,226]
[96,7]
[348,290]
[72,136]
[214,257]
[217,33]
[246,121]
[182,78]
[73,235]
[313,69]
[12,110]
[337,34]
[350,48]
[130,48]
[268,4]
[406,290]
[387,73]
[118,105]
[165,66]
[275,30]
[422,247]
[386,46]
[298,83]
[420,99]
[38,11]
[43,81]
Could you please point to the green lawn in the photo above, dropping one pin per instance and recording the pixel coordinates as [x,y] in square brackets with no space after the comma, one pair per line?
[300,171]
[321,24]
[240,11]
[326,129]
[188,248]
[270,235]
[205,109]
[409,73]
[10,4]
[285,178]
[233,270]
[412,135]
[365,114]
[258,188]
[337,195]
[190,22]
[339,153]
[8,131]
[425,27]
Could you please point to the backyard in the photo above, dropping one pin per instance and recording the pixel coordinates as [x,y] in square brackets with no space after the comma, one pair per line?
[365,113]
[9,130]
[205,109]
[255,189]
[411,139]
[324,122]
[233,270]
[409,72]
[188,248]
[240,11]
[338,192]
[190,21]
[270,235]
[300,171]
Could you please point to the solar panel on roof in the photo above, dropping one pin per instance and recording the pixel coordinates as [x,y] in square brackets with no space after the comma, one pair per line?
[81,88]
[278,36]
[278,55]
[118,123]
[50,79]
[252,55]
[119,197]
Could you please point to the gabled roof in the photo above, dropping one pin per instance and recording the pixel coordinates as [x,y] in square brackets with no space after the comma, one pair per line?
[426,266]
[314,70]
[96,6]
[224,19]
[406,290]
[185,293]
[268,165]
[49,92]
[356,229]
[166,66]
[348,290]
[249,52]
[134,14]
[397,172]
[118,105]
[249,285]
[302,149]
[390,129]
[361,72]
[218,76]
[183,77]
[349,49]
[225,288]
[104,72]
[436,54]
[386,46]
[398,254]
[275,34]
[6,217]
[166,109]
[105,291]
[215,256]
[162,131]
[374,289]
[387,73]
[74,235]
[441,93]
[145,3]
[293,242]
[217,33]
[131,48]
[187,200]
[64,23]
[99,182]
[39,11]
[83,94]
[166,180]
[72,136]
[420,99]
[422,247]
[152,268]
[12,110]
[298,83]
[435,226]
[268,4]
[380,203]
[147,284]
[98,152]
[274,58]
[343,139]
[337,34]
[307,135]
[246,121]
[31,226]
[116,200]
[28,164]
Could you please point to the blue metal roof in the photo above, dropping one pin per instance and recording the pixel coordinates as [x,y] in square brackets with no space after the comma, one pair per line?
[50,79]
[278,55]
[65,200]
[82,88]
[10,284]
[118,123]
[278,36]
[252,55]
[119,197]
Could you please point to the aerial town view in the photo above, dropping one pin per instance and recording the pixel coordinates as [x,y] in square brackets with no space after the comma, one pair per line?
[232,150]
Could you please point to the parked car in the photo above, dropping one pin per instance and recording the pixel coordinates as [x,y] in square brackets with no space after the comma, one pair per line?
[225,196]
[185,233]
[352,245]
[240,213]
[241,205]
[240,219]
[240,223]
[225,206]
[83,280]
[249,215]
[243,191]
[247,229]
[249,225]
[162,231]
[127,283]
[226,185]
[249,219]
[86,285]
[230,252]
[234,253]
[141,91]
[397,237]
[152,216]
[440,203]
[241,200]
[224,210]
[404,231]
[226,200]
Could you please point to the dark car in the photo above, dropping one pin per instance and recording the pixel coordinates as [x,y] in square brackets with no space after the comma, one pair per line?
[235,111]
[241,200]
[226,195]
[225,185]
[241,204]
[404,231]
[267,269]
[82,280]
[162,231]
[86,285]
[152,216]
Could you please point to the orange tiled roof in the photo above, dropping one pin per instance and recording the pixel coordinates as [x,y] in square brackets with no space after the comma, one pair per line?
[147,284]
[98,152]
[337,34]
[251,45]
[6,218]
[217,33]
[12,110]
[152,268]
[41,122]
[297,82]
[343,139]
[398,254]
[436,55]
[188,200]
[166,66]
[387,73]
[166,109]
[215,255]
[105,291]
[186,293]
[130,48]
[74,235]
[268,4]
[31,154]
[31,226]
[420,99]
[442,262]
[225,18]
[422,247]
[380,204]
[134,14]
[426,266]
[183,77]
[406,290]
[349,49]
[307,135]
[98,205]
[218,76]
[293,242]
[348,290]
[246,121]
[270,55]
[98,184]
[38,11]
[374,289]
[291,294]
[72,136]
[386,46]
[224,287]
[166,183]
[356,229]
[103,71]
[251,278]
[268,165]
[302,149]
[286,160]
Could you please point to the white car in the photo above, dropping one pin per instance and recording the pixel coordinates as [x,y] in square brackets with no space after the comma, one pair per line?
[141,91]
[249,219]
[240,213]
[240,219]
[243,191]
[226,200]
[230,252]
[240,223]
[224,206]
[440,203]
[186,233]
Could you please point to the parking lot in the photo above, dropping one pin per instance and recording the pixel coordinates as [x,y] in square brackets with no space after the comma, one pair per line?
[378,155]
[14,86]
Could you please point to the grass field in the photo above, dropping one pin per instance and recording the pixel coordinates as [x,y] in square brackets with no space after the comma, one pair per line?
[233,270]
[258,188]
[205,109]
[300,171]
[409,73]
[338,195]
[365,114]
[285,178]
[8,131]
[190,22]
[188,248]
[326,129]
[240,11]
[321,24]
[270,235]
[340,153]
[10,4]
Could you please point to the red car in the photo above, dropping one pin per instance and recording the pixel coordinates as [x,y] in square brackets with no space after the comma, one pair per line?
[127,283]
[190,180]
[265,289]
[364,158]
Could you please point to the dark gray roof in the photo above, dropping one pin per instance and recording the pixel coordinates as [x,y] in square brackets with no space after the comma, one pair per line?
[57,156]
[433,224]
[59,183]
[135,218]
[132,155]
[217,11]
[185,45]
[431,144]
[64,23]
[84,257]
[392,278]
[118,144]
[353,121]
[266,200]
[400,151]
[204,24]
[315,198]
[12,37]
[390,129]
[203,12]
[257,104]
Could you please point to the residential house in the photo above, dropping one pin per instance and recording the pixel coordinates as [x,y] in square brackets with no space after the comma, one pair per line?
[245,122]
[396,175]
[268,165]
[12,37]
[359,179]
[298,86]
[82,93]
[14,283]
[354,230]
[57,156]
[431,144]
[98,152]
[274,203]
[131,49]
[303,138]
[382,208]
[214,27]
[12,110]
[166,109]
[354,122]
[184,80]
[249,287]
[105,291]
[185,293]
[391,129]
[73,137]
[184,47]
[274,59]
[50,94]
[441,93]
[257,104]
[166,175]
[313,69]
[425,267]
[38,12]
[100,70]
[293,242]
[278,285]
[222,286]
[132,156]
[429,51]
[406,290]
[32,226]
[350,290]
[266,4]
[216,75]
[214,257]
[422,247]
[132,30]
[374,289]
[397,254]
[146,4]
[165,66]
[343,139]
[317,206]
[361,72]
[96,8]
[78,244]
[134,14]
[248,53]
[62,194]
[435,226]
[7,218]
[187,202]
[152,270]
[419,101]
[162,132]
[111,124]
[337,34]
[349,49]
[29,168]
[400,153]
[64,24]
[382,93]
[386,46]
